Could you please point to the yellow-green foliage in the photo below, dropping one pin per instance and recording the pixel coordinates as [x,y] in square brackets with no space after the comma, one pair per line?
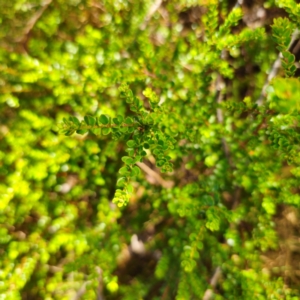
[123,118]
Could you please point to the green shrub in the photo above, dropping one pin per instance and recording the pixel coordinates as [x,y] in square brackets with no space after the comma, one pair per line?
[149,150]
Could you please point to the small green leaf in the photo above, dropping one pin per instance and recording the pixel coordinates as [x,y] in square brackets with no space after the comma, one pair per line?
[75,121]
[160,163]
[96,131]
[129,96]
[156,151]
[293,69]
[129,121]
[130,151]
[104,119]
[129,188]
[66,121]
[133,108]
[137,159]
[121,181]
[81,131]
[136,102]
[289,57]
[106,130]
[130,129]
[69,132]
[127,160]
[135,171]
[124,171]
[90,120]
[131,143]
[116,121]
[120,118]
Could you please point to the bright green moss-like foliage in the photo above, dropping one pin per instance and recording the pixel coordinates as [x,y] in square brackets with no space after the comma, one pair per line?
[149,149]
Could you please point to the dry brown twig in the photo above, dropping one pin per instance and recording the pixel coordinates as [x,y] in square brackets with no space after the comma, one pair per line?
[213,282]
[274,70]
[155,176]
[82,289]
[32,21]
[155,6]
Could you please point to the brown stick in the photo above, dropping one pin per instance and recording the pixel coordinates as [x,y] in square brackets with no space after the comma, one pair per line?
[213,282]
[33,21]
[155,6]
[274,70]
[155,176]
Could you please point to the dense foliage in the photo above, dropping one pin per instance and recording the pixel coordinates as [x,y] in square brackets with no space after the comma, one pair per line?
[149,149]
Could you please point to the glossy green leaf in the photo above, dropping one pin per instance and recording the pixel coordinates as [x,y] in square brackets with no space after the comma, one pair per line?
[123,171]
[106,130]
[90,120]
[131,143]
[82,131]
[129,121]
[121,181]
[135,171]
[127,160]
[75,121]
[103,119]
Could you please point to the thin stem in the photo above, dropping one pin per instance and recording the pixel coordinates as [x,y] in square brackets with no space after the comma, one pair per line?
[274,70]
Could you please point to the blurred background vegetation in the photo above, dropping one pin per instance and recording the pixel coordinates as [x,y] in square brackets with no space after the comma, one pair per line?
[223,225]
